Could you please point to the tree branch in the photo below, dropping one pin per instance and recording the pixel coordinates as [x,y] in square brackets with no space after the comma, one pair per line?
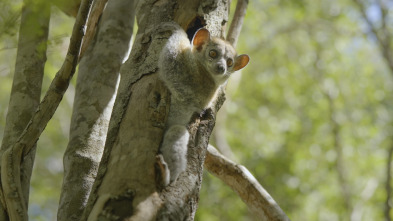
[237,22]
[92,23]
[245,185]
[12,157]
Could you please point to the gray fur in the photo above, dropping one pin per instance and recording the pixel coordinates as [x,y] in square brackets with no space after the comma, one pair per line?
[174,150]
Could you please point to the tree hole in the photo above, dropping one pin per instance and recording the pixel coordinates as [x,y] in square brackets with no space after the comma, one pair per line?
[196,24]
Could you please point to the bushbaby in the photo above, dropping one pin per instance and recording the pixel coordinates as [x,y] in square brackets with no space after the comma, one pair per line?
[193,73]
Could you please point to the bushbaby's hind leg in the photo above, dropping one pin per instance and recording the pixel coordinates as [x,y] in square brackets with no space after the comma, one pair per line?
[174,149]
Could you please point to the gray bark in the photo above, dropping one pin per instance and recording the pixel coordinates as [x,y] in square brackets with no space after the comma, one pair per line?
[27,83]
[94,98]
[138,120]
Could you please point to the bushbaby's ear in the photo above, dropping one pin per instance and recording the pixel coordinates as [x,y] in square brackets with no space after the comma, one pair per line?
[241,61]
[201,37]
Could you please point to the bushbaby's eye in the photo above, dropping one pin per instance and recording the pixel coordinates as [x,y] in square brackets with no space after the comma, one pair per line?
[229,62]
[213,53]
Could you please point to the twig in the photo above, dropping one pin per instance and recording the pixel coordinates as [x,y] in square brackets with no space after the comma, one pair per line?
[12,157]
[237,22]
[245,185]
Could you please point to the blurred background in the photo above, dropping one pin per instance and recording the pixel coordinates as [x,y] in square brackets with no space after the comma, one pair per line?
[310,116]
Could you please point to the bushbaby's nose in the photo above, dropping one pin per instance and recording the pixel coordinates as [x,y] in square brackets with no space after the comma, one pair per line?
[220,68]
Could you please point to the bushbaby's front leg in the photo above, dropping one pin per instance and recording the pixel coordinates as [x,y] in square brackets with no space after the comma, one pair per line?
[174,149]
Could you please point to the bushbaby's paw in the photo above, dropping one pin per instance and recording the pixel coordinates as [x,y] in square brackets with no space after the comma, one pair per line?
[162,172]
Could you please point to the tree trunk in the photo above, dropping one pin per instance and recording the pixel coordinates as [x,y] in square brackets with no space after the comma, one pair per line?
[126,185]
[94,98]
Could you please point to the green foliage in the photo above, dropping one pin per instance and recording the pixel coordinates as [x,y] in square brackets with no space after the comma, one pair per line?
[279,123]
[9,15]
[316,84]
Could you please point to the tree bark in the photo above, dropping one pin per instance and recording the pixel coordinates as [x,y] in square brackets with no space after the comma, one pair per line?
[94,98]
[138,119]
[27,84]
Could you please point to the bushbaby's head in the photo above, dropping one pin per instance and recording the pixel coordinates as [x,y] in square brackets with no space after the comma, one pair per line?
[217,56]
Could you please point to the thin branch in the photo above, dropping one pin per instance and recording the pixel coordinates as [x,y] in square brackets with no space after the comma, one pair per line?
[12,157]
[92,23]
[388,186]
[237,22]
[245,185]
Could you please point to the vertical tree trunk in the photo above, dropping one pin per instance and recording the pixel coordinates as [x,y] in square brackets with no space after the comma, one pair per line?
[27,83]
[126,186]
[94,98]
